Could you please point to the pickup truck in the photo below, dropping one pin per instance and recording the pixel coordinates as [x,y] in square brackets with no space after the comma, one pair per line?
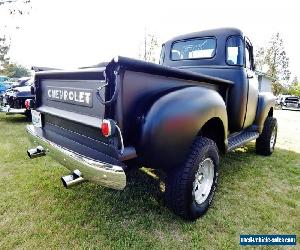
[200,101]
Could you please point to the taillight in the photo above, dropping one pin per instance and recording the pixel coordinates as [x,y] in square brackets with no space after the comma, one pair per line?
[107,127]
[29,103]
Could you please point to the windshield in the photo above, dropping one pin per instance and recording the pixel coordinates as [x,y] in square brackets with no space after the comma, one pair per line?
[3,78]
[29,82]
[196,48]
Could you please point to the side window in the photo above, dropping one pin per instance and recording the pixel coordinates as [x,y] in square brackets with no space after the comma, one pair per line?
[235,51]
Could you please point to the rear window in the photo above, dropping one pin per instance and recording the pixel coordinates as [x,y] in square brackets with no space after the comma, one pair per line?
[196,48]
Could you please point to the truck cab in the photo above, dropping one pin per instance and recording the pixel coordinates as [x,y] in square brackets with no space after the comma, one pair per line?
[224,53]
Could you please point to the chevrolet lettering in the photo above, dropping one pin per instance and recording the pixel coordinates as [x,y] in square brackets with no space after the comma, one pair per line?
[73,96]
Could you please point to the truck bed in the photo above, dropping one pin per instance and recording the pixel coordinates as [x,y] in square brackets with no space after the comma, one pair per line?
[72,103]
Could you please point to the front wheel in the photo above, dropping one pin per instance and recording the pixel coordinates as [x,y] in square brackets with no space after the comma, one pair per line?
[265,143]
[190,188]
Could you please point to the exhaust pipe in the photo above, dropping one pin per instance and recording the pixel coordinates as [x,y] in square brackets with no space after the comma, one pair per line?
[36,152]
[72,179]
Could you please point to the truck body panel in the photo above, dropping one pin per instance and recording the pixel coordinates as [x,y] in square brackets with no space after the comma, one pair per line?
[72,107]
[172,124]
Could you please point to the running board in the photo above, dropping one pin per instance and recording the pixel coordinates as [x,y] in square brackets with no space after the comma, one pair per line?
[241,139]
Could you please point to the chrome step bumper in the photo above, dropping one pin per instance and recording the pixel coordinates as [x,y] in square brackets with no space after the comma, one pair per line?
[105,174]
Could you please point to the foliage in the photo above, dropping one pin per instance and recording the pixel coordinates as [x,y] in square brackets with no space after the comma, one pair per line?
[17,7]
[14,70]
[278,88]
[260,59]
[150,45]
[277,59]
[295,90]
[14,8]
[4,48]
[295,87]
[273,57]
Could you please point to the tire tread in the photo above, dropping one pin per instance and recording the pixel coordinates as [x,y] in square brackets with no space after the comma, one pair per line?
[177,190]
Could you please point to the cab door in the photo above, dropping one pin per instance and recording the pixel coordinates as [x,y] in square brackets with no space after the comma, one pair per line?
[252,80]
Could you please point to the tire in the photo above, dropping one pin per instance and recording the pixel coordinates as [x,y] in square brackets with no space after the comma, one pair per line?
[182,188]
[265,143]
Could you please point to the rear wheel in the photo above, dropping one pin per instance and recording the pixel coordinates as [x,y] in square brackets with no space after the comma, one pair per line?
[265,143]
[190,189]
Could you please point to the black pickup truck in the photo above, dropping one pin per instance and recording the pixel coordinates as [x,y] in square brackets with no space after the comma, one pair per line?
[201,100]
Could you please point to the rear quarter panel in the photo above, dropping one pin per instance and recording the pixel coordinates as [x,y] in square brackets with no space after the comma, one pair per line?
[174,121]
[266,102]
[140,91]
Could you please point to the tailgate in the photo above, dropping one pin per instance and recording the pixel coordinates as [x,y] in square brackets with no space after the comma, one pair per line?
[75,92]
[72,111]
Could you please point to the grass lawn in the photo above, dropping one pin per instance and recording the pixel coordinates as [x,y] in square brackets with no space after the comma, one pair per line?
[256,195]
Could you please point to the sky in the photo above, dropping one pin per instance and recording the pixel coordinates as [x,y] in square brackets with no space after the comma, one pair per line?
[73,33]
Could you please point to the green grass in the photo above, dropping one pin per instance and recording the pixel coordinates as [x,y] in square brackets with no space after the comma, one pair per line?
[256,195]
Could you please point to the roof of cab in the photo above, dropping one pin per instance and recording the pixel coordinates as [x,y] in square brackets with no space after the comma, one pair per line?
[212,32]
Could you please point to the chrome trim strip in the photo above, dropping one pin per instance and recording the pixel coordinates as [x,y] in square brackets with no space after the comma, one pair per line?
[12,111]
[105,174]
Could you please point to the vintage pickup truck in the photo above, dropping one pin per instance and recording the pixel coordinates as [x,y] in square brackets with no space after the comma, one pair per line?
[178,116]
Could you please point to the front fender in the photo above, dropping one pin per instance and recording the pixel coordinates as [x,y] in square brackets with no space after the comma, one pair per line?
[266,101]
[174,121]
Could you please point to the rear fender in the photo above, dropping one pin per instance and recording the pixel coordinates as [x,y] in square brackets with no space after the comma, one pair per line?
[174,121]
[266,103]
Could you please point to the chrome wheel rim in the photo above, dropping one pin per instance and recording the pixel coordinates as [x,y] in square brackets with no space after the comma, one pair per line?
[273,139]
[204,178]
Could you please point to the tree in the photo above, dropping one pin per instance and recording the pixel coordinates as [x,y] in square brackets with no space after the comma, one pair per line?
[260,59]
[4,48]
[17,7]
[149,47]
[13,8]
[275,59]
[278,88]
[14,70]
[295,87]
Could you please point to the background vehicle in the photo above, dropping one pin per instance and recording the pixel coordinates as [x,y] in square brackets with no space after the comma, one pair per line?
[21,82]
[201,100]
[3,84]
[291,102]
[13,100]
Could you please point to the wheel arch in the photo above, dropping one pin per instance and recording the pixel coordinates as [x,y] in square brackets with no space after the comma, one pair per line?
[176,119]
[214,130]
[265,107]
